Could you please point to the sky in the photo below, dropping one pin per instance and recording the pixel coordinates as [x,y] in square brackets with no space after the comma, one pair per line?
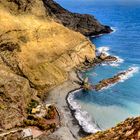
[104,2]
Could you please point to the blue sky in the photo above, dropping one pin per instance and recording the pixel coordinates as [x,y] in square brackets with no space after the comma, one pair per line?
[102,2]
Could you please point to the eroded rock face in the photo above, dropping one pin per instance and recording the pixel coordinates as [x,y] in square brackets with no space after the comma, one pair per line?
[35,52]
[18,7]
[127,130]
[83,23]
[39,49]
[15,94]
[110,81]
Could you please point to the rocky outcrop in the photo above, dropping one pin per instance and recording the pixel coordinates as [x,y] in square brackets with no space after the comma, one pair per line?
[18,7]
[107,82]
[15,94]
[83,23]
[37,48]
[36,54]
[127,130]
[106,58]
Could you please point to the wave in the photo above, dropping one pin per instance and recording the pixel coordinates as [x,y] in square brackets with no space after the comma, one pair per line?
[129,73]
[105,50]
[93,36]
[114,29]
[83,118]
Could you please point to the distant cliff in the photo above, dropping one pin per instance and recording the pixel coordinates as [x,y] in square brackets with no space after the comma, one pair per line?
[83,23]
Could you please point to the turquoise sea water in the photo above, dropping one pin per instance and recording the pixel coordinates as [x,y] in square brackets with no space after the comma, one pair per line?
[122,100]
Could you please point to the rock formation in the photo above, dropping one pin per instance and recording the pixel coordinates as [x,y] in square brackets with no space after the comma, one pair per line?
[83,23]
[127,130]
[107,82]
[38,48]
[36,55]
[15,94]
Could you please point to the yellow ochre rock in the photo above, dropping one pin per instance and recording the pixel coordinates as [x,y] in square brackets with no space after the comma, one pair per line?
[127,130]
[38,48]
[36,52]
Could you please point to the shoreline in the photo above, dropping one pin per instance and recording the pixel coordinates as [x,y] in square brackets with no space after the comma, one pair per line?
[69,128]
[86,123]
[101,34]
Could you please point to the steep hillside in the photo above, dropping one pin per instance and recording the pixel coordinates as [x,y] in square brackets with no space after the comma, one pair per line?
[42,50]
[36,55]
[127,130]
[17,7]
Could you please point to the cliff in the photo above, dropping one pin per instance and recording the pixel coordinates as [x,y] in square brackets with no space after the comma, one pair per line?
[127,130]
[39,48]
[83,23]
[36,54]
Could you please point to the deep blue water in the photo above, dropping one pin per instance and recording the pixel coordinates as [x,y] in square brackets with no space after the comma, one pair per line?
[110,106]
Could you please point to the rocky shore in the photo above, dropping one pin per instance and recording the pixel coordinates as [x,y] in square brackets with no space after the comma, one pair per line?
[38,54]
[110,81]
[83,23]
[127,130]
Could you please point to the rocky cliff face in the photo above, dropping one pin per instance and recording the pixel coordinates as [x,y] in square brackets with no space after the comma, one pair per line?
[36,55]
[15,94]
[127,130]
[83,23]
[18,7]
[41,49]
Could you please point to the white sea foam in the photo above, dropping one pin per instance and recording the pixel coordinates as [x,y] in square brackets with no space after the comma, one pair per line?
[84,119]
[96,35]
[129,73]
[114,29]
[105,50]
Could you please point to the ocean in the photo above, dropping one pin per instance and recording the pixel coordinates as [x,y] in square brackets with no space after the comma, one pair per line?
[110,106]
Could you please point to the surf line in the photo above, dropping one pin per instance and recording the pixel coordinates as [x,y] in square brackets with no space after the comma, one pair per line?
[106,83]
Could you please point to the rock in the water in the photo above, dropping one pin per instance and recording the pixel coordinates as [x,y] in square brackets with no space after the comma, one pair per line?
[103,56]
[83,23]
[107,82]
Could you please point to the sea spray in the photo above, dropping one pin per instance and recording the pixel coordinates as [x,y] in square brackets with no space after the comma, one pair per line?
[105,50]
[83,118]
[122,77]
[114,30]
[130,73]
